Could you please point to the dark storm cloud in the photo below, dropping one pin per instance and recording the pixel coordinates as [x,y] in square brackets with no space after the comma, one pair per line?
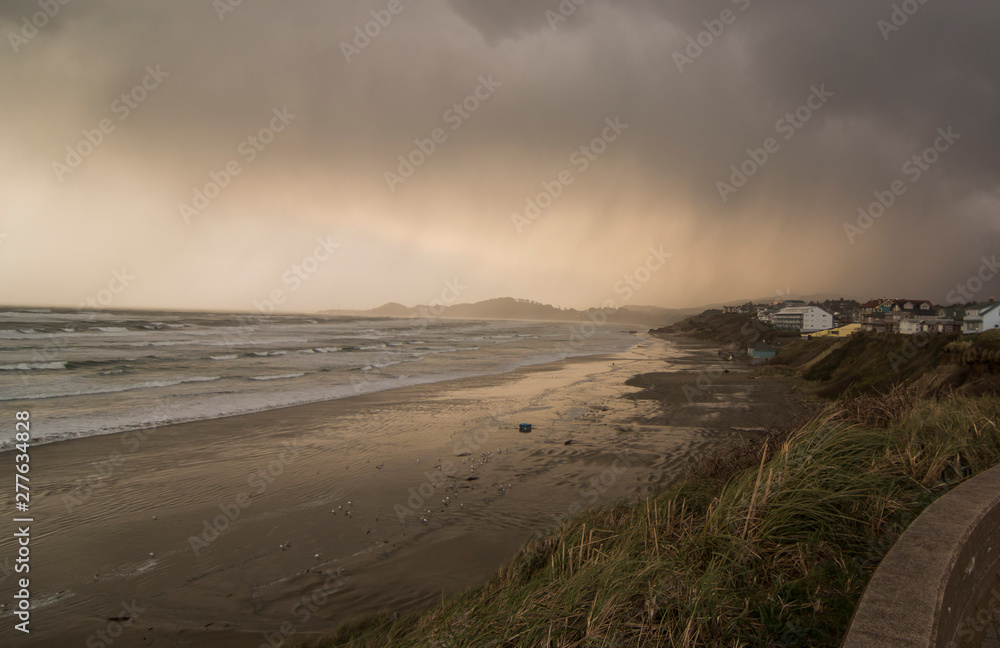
[361,101]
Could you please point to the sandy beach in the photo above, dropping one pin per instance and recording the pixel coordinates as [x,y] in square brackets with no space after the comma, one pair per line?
[273,527]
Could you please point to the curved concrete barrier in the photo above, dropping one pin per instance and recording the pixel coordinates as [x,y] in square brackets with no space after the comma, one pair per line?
[927,589]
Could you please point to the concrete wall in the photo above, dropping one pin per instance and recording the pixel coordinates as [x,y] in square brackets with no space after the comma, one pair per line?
[928,586]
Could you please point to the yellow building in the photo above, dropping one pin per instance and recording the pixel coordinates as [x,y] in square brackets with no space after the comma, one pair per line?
[843,331]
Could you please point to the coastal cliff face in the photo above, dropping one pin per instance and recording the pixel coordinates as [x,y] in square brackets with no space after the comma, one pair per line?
[979,354]
[865,363]
[860,364]
[722,328]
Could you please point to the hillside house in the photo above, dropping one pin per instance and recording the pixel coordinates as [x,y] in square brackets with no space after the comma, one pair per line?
[806,319]
[840,331]
[761,353]
[981,318]
[888,315]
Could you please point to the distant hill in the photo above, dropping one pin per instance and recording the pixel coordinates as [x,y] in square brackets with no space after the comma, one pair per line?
[508,308]
[723,328]
[392,309]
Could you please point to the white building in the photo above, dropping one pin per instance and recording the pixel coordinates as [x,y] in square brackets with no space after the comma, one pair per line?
[979,319]
[807,319]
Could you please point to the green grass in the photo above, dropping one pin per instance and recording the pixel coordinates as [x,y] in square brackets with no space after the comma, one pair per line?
[769,544]
[737,329]
[801,352]
[867,363]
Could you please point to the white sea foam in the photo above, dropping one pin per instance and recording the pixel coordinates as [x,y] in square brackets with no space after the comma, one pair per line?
[102,388]
[111,389]
[279,376]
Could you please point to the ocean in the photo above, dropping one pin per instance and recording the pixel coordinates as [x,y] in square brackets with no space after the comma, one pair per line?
[83,373]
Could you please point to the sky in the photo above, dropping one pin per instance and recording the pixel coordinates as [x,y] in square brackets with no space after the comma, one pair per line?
[308,155]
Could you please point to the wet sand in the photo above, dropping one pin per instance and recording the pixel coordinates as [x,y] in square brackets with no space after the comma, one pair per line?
[278,525]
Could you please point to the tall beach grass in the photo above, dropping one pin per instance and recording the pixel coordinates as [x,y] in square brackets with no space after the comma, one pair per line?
[768,544]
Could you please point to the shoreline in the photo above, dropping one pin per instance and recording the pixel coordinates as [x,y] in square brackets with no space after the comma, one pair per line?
[430,383]
[307,534]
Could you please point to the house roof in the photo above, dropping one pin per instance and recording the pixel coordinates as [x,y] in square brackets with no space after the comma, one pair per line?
[875,303]
[901,303]
[988,308]
[799,310]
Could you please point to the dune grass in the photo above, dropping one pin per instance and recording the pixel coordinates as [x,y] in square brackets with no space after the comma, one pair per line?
[769,544]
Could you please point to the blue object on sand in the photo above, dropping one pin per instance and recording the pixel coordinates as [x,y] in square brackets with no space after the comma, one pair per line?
[525,427]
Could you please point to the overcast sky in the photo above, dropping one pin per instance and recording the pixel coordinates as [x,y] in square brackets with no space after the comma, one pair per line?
[848,92]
